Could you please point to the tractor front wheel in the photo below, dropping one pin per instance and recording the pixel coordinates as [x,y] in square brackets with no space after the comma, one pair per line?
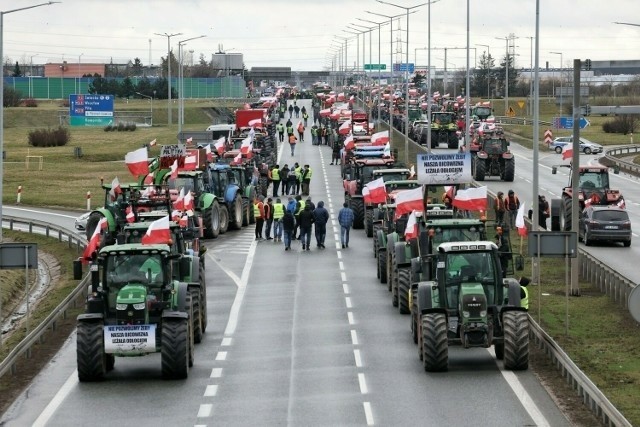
[435,345]
[516,340]
[479,169]
[357,205]
[404,286]
[90,356]
[175,348]
[224,219]
[212,221]
[235,222]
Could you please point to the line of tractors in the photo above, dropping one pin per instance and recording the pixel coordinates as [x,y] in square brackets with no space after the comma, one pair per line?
[148,296]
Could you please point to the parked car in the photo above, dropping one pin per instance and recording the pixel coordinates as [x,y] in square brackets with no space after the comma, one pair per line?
[586,146]
[81,221]
[605,223]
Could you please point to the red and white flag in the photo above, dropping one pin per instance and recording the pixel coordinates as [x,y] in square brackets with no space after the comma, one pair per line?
[158,232]
[207,150]
[94,241]
[471,199]
[341,96]
[345,128]
[190,162]
[152,143]
[520,225]
[130,216]
[377,191]
[148,179]
[567,151]
[348,143]
[188,203]
[219,145]
[256,123]
[411,231]
[237,159]
[412,172]
[408,201]
[137,161]
[176,215]
[450,191]
[178,204]
[365,194]
[174,170]
[189,140]
[380,138]
[247,146]
[325,113]
[115,189]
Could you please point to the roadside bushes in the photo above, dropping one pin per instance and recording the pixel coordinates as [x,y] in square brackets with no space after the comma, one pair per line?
[624,124]
[49,137]
[121,127]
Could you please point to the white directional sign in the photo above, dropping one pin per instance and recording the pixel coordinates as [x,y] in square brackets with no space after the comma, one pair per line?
[444,169]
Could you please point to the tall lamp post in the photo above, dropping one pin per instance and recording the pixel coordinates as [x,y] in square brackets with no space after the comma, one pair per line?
[168,36]
[78,78]
[31,75]
[344,63]
[379,24]
[2,13]
[364,74]
[561,105]
[181,81]
[406,79]
[506,80]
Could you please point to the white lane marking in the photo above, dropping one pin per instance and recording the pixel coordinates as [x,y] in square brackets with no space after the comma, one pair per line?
[41,212]
[343,276]
[226,342]
[345,288]
[205,410]
[339,254]
[232,324]
[368,413]
[341,264]
[222,355]
[356,355]
[354,337]
[57,400]
[211,391]
[216,373]
[363,384]
[347,301]
[228,272]
[350,317]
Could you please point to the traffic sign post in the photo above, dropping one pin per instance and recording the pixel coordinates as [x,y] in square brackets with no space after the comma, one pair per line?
[371,67]
[90,110]
[567,122]
[548,136]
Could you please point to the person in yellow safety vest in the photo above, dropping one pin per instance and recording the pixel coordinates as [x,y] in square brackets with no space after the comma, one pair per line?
[306,180]
[524,292]
[275,178]
[290,130]
[278,214]
[258,213]
[280,129]
[298,178]
[300,204]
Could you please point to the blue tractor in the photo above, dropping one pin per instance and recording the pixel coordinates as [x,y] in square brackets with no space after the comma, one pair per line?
[228,192]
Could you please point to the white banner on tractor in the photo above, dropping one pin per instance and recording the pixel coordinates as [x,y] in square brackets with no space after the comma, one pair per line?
[130,339]
[444,169]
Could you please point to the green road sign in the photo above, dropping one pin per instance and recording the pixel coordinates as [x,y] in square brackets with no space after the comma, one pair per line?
[375,67]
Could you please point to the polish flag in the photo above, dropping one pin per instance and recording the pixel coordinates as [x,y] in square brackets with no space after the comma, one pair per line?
[188,202]
[621,203]
[130,216]
[365,194]
[152,143]
[137,161]
[449,191]
[94,242]
[341,96]
[176,215]
[520,225]
[178,204]
[158,232]
[183,222]
[567,151]
[148,180]
[237,159]
[411,231]
[377,191]
[246,146]
[190,163]
[387,150]
[325,113]
[380,138]
[219,145]
[115,189]
[408,201]
[471,199]
[256,123]
[174,170]
[348,143]
[189,140]
[207,150]
[345,128]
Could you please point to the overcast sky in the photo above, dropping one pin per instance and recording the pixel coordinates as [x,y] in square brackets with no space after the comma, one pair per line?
[298,34]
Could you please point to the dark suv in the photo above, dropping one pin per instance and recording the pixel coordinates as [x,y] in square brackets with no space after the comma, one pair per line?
[605,223]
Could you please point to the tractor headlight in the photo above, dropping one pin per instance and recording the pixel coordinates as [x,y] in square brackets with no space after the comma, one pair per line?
[465,314]
[483,313]
[121,306]
[139,306]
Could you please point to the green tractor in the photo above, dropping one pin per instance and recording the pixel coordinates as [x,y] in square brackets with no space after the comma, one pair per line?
[469,304]
[444,129]
[135,307]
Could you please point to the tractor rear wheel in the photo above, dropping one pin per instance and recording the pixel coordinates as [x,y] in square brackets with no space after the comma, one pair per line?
[92,223]
[389,264]
[516,340]
[404,286]
[382,265]
[480,169]
[175,348]
[566,214]
[263,185]
[224,219]
[90,356]
[212,221]
[414,315]
[237,214]
[509,169]
[246,215]
[357,205]
[453,140]
[368,222]
[499,349]
[197,315]
[203,299]
[435,345]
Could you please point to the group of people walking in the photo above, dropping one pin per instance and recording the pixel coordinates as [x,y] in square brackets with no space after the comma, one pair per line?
[291,180]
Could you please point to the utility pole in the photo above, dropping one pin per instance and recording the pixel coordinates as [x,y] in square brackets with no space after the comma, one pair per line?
[168,36]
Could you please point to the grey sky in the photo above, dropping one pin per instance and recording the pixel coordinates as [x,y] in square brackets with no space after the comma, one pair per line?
[298,33]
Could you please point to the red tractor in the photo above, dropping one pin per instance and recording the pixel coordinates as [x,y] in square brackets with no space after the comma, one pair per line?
[491,156]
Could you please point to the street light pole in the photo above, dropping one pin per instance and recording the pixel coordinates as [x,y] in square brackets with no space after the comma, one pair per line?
[31,76]
[379,24]
[78,78]
[181,81]
[507,63]
[561,105]
[2,13]
[168,36]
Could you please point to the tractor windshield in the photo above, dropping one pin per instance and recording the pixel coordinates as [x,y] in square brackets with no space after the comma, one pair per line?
[495,146]
[482,112]
[443,119]
[134,268]
[396,176]
[220,181]
[472,234]
[188,183]
[594,180]
[470,267]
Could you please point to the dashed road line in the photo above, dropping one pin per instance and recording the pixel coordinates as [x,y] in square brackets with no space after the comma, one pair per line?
[345,288]
[216,373]
[226,342]
[347,301]
[211,390]
[354,337]
[363,384]
[368,413]
[205,410]
[358,358]
[343,276]
[222,355]
[350,318]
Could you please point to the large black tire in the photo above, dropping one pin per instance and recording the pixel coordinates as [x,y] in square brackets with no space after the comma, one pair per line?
[516,340]
[435,345]
[357,205]
[389,264]
[368,222]
[212,221]
[90,356]
[92,223]
[414,315]
[382,265]
[509,169]
[197,315]
[394,280]
[404,286]
[499,349]
[236,215]
[480,169]
[246,215]
[224,219]
[453,140]
[566,213]
[263,185]
[175,348]
[556,211]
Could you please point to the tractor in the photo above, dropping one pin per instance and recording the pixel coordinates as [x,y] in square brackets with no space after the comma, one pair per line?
[229,194]
[482,111]
[135,307]
[469,304]
[444,129]
[388,175]
[491,157]
[593,188]
[241,175]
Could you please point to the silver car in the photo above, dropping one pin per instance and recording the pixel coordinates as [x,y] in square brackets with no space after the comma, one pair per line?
[586,146]
[81,221]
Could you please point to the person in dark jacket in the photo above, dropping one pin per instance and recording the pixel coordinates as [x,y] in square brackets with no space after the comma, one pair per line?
[305,222]
[288,222]
[320,219]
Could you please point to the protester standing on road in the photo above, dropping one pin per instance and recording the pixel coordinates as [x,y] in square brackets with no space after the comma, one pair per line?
[291,181]
[275,179]
[284,179]
[543,211]
[306,180]
[278,213]
[296,110]
[335,153]
[305,118]
[499,208]
[305,221]
[288,224]
[314,135]
[258,214]
[292,143]
[345,219]
[320,219]
[268,218]
[280,129]
[299,208]
[512,206]
[298,171]
[301,131]
[290,110]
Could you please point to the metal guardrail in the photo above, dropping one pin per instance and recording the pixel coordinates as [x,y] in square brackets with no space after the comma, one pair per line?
[9,364]
[613,154]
